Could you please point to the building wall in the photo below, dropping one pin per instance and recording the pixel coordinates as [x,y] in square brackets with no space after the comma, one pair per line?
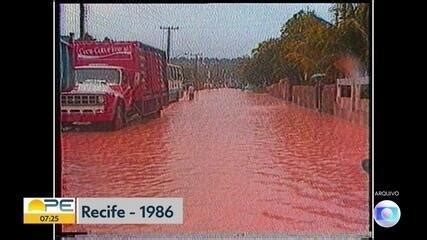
[328,98]
[304,96]
[351,108]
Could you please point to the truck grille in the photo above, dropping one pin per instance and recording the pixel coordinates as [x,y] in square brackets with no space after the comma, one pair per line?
[79,100]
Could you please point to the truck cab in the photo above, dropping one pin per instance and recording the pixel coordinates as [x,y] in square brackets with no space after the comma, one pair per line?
[96,93]
[113,81]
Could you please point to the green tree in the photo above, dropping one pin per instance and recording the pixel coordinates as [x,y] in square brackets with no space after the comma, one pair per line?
[308,45]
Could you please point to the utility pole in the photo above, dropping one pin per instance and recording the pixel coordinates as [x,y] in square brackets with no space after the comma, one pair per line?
[197,55]
[196,66]
[82,21]
[169,40]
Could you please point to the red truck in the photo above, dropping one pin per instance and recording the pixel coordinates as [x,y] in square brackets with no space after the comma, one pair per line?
[113,81]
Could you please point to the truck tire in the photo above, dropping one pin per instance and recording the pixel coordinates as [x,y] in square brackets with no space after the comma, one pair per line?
[159,110]
[119,118]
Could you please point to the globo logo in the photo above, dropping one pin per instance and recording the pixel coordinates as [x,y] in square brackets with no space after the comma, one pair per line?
[387,213]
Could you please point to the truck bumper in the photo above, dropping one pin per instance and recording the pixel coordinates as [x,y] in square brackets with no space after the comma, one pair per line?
[86,117]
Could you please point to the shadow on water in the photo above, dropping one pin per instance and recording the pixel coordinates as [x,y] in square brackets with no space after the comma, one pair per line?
[104,127]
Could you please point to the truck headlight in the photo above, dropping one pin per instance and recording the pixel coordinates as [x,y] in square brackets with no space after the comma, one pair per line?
[101,99]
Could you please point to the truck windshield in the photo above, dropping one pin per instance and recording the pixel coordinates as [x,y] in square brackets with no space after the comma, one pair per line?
[111,76]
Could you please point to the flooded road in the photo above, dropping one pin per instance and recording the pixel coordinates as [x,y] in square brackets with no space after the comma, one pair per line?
[242,162]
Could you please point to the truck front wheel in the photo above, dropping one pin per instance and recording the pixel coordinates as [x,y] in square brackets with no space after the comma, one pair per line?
[119,118]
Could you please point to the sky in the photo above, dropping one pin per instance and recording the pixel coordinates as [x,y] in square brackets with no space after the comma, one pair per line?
[214,30]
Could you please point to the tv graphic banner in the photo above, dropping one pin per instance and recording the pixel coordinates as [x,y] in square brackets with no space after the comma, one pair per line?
[103,210]
[50,210]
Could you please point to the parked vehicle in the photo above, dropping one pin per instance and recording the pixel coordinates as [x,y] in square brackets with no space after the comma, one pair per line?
[114,80]
[175,78]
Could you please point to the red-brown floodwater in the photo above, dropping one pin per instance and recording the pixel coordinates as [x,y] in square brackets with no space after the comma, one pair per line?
[241,161]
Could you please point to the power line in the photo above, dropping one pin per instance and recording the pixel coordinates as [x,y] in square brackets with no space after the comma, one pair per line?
[97,21]
[187,46]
